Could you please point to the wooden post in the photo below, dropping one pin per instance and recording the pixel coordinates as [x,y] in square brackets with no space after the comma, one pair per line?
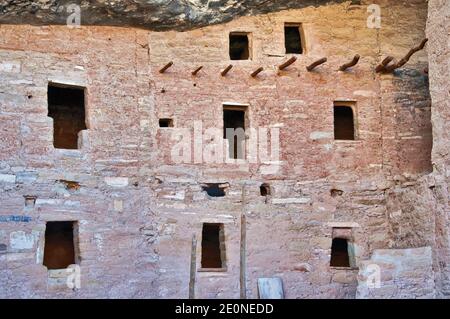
[382,66]
[168,65]
[287,63]
[197,70]
[193,268]
[257,71]
[351,63]
[224,72]
[386,67]
[242,278]
[316,64]
[408,56]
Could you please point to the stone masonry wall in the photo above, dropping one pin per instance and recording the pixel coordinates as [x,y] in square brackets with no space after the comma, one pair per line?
[438,27]
[137,209]
[405,274]
[418,210]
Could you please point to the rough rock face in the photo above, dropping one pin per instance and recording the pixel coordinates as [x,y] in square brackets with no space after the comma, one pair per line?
[438,27]
[154,14]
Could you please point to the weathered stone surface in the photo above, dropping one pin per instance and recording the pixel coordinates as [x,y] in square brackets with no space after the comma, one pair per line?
[397,274]
[439,58]
[153,14]
[117,181]
[7,178]
[20,240]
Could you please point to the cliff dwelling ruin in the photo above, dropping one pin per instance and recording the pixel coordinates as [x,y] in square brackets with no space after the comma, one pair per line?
[202,149]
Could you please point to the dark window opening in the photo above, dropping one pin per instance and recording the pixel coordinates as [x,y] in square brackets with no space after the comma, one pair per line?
[344,125]
[293,39]
[265,190]
[339,253]
[165,123]
[59,250]
[234,131]
[239,46]
[214,190]
[213,246]
[66,107]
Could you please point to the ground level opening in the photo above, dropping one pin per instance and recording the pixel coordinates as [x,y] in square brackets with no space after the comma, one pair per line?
[213,246]
[59,250]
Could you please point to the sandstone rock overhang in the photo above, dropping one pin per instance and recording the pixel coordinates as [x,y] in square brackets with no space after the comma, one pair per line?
[157,15]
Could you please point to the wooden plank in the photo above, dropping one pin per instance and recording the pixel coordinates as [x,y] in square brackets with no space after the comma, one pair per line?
[287,63]
[316,64]
[168,65]
[270,288]
[193,268]
[242,260]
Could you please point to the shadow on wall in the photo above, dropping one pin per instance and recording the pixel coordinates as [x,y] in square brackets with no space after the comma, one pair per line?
[413,121]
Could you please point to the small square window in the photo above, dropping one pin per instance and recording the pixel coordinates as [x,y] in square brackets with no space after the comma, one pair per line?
[239,46]
[165,123]
[265,189]
[214,189]
[30,202]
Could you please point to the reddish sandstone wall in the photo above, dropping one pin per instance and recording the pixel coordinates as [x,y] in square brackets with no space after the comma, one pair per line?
[137,210]
[418,212]
[439,54]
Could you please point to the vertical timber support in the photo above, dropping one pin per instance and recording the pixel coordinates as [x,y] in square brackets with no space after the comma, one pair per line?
[242,258]
[193,268]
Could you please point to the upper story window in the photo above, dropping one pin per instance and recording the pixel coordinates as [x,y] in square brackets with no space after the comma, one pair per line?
[214,189]
[293,38]
[66,107]
[234,125]
[239,46]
